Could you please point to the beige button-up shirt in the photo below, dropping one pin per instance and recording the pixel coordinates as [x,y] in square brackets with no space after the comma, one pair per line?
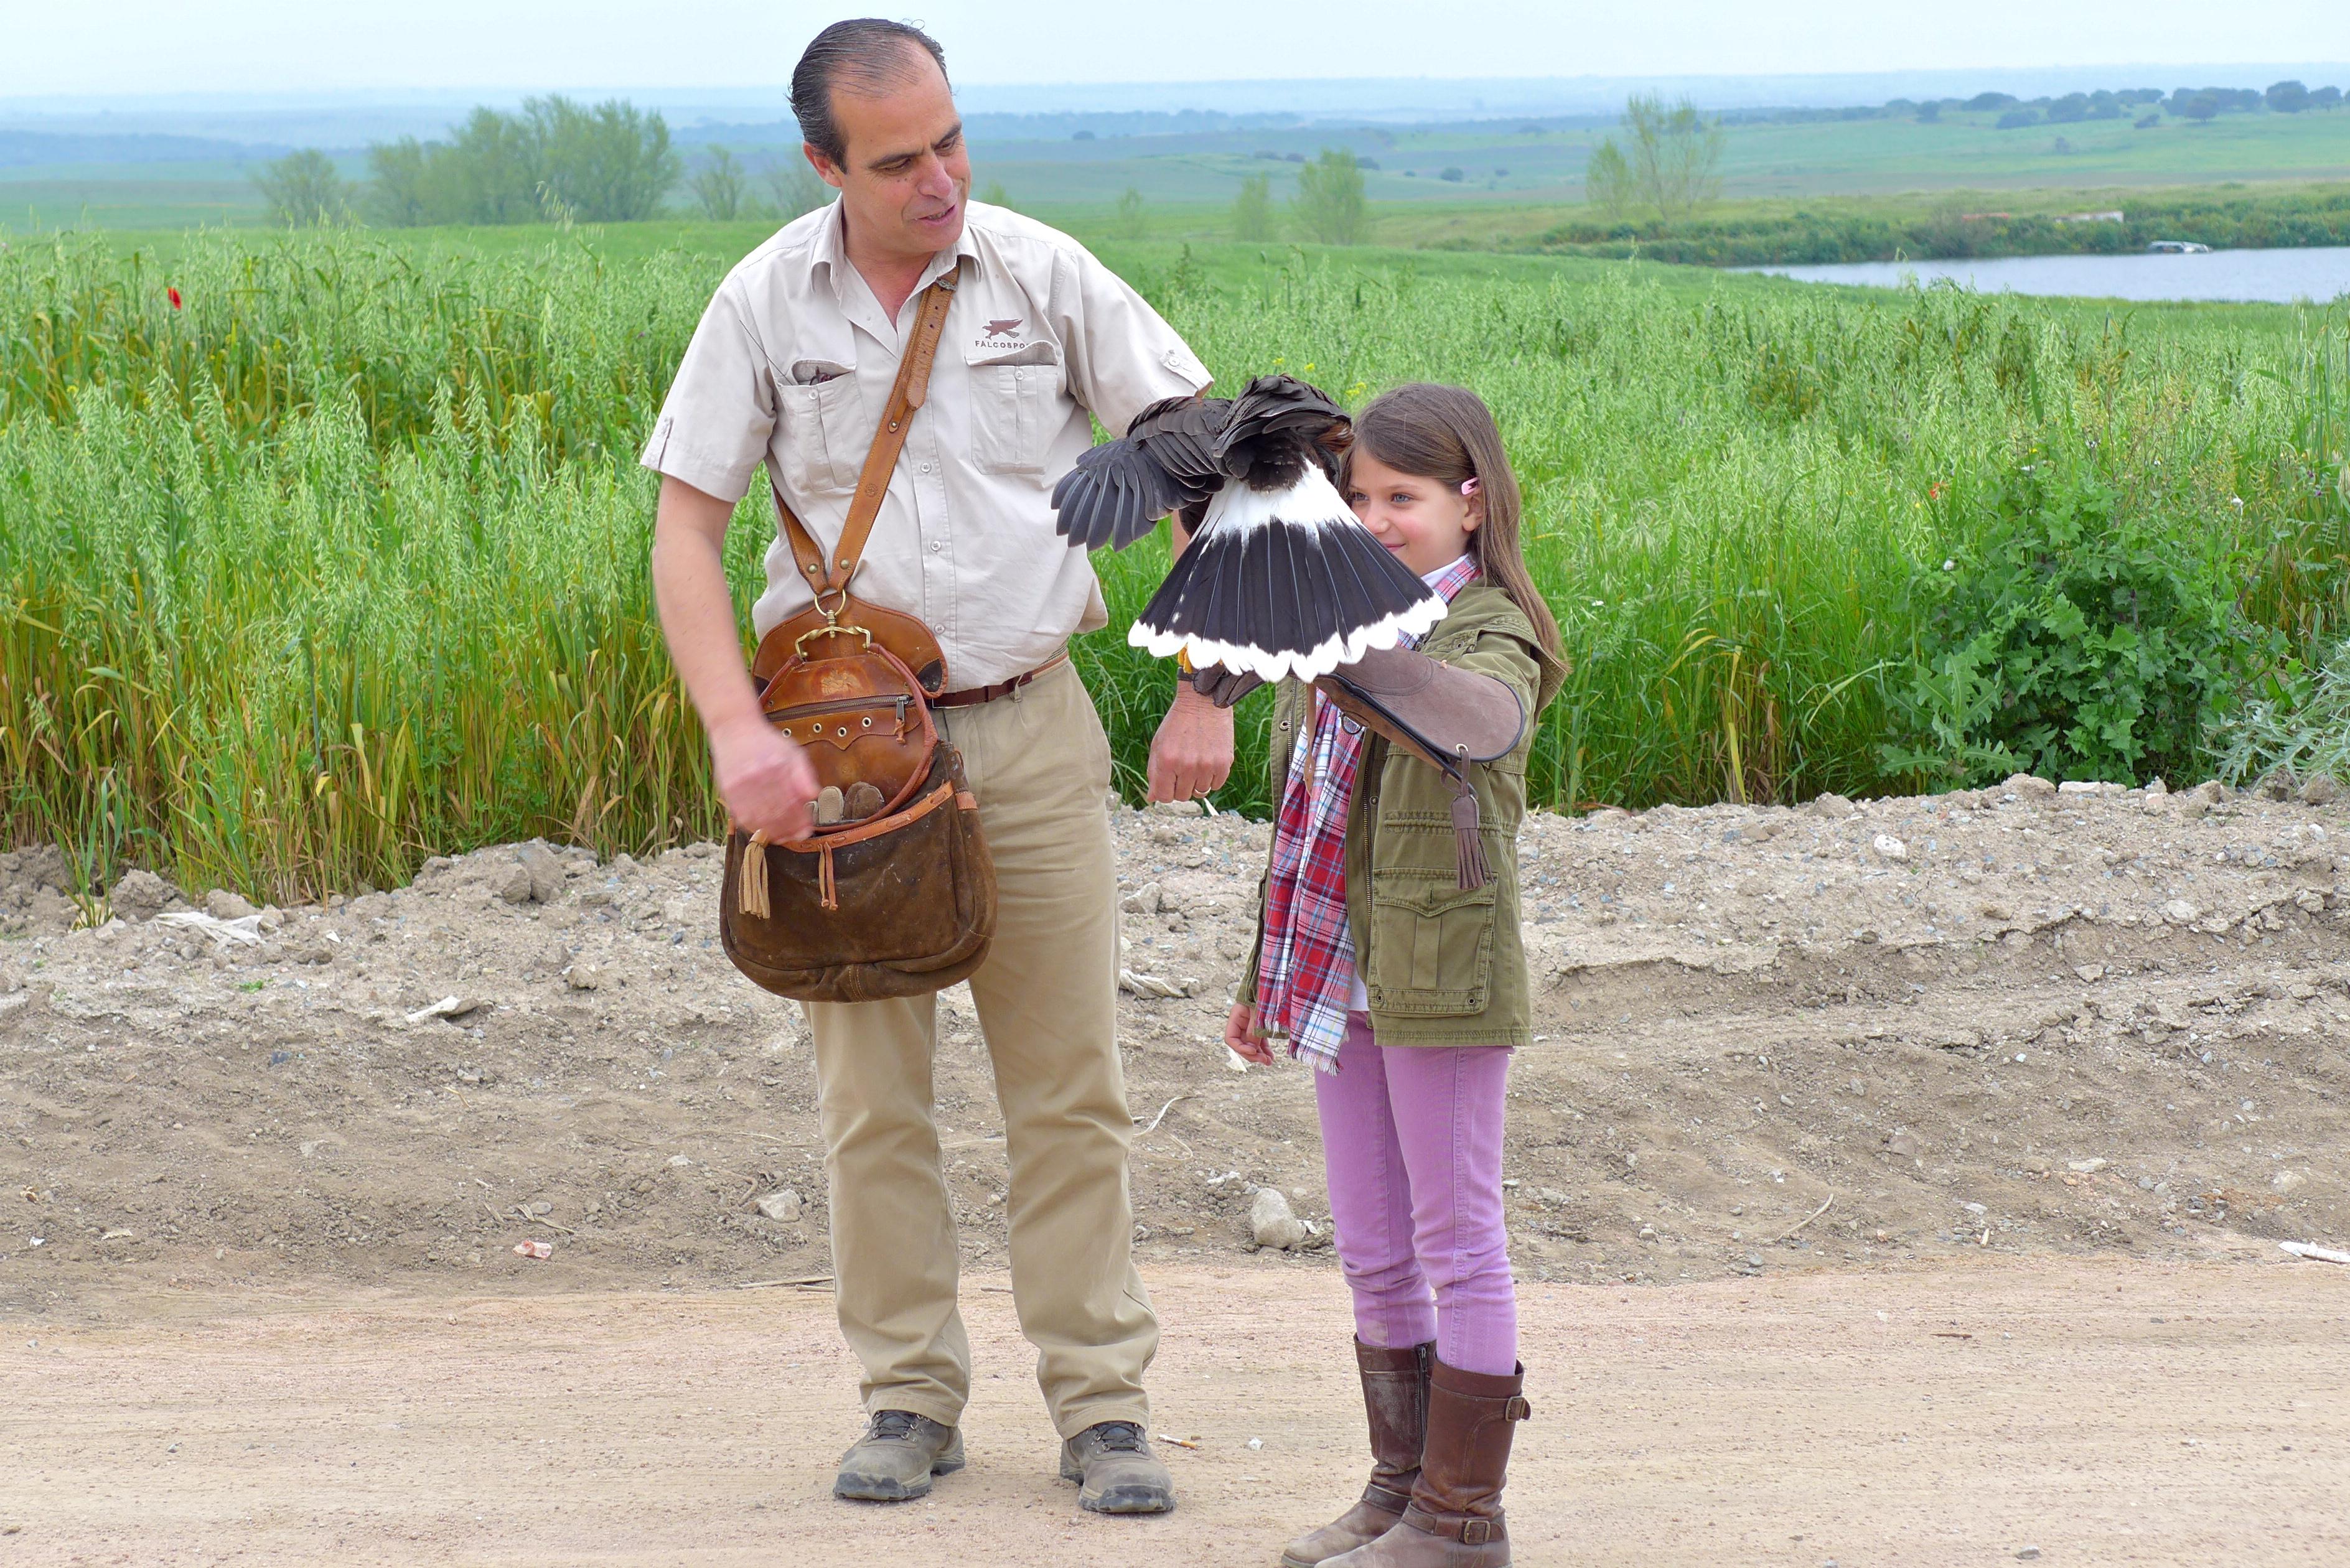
[792,364]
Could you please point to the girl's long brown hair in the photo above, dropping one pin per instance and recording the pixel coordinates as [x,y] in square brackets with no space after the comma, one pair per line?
[1448,434]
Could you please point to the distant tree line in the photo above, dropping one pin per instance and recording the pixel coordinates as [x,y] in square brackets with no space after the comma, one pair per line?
[2181,103]
[2300,218]
[555,159]
[2144,106]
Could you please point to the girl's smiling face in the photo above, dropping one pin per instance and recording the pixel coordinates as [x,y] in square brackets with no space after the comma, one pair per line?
[1425,522]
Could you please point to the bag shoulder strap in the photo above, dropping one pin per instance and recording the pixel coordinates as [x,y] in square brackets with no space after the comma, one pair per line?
[881,461]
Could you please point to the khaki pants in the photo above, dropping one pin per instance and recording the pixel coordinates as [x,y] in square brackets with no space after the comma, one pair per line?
[1048,1006]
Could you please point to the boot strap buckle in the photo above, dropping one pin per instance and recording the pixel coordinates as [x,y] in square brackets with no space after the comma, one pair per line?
[1517,1409]
[1469,1531]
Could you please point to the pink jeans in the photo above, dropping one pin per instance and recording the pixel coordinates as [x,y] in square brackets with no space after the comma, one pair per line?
[1412,1138]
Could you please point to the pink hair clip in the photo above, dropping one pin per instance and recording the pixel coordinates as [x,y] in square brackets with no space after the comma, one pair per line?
[1469,487]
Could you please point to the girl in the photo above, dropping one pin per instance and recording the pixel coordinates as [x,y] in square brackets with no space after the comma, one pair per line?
[1408,992]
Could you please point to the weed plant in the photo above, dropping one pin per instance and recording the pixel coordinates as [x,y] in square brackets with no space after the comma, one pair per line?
[2072,640]
[341,561]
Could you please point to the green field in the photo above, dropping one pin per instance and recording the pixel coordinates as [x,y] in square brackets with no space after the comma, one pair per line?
[1544,165]
[1517,182]
[344,564]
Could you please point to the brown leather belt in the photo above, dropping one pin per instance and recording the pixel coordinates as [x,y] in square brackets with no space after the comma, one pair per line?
[973,696]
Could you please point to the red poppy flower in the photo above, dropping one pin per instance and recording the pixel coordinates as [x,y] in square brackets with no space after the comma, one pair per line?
[1934,491]
[171,292]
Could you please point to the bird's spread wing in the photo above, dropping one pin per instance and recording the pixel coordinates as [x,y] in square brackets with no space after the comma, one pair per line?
[1275,420]
[1120,489]
[1180,433]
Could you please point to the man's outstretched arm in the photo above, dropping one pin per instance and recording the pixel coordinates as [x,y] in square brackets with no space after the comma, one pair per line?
[1191,755]
[765,782]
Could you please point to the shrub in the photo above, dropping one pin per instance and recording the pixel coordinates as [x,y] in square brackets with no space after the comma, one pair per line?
[1132,222]
[1607,181]
[1329,204]
[302,189]
[2297,722]
[2073,640]
[718,186]
[1252,210]
[793,187]
[2287,96]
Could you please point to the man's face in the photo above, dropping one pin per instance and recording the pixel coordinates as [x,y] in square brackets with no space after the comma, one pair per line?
[907,172]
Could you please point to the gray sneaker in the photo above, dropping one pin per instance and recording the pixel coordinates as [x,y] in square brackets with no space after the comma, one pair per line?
[1115,1471]
[896,1457]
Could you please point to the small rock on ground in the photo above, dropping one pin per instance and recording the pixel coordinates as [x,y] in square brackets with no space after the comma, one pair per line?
[1273,1221]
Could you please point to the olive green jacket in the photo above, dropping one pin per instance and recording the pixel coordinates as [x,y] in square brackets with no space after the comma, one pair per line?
[1443,965]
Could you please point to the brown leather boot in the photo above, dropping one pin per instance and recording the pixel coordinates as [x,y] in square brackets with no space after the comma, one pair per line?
[1395,1397]
[1455,1517]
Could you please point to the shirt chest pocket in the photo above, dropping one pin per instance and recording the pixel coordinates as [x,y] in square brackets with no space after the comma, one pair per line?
[1015,406]
[826,431]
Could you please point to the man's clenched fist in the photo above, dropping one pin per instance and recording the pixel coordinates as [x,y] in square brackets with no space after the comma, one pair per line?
[765,780]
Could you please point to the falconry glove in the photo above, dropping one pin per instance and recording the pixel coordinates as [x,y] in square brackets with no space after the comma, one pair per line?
[1224,687]
[1446,716]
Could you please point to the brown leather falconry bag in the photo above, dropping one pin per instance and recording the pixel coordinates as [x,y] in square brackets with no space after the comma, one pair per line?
[892,893]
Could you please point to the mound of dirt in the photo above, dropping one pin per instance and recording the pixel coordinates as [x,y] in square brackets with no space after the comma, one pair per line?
[2017,1019]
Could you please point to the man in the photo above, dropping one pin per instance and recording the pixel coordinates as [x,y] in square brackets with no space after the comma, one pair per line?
[791,366]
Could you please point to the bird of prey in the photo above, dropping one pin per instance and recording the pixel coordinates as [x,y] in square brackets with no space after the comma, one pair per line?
[1281,579]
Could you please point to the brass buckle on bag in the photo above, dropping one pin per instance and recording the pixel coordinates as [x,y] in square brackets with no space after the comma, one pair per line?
[829,628]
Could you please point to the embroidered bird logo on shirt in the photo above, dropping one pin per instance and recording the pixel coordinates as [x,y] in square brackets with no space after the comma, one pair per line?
[1005,328]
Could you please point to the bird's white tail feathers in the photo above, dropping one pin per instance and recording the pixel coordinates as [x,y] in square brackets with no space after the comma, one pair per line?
[1285,584]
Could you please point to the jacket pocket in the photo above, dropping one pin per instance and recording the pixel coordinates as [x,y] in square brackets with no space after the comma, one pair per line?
[1432,944]
[1014,395]
[826,435]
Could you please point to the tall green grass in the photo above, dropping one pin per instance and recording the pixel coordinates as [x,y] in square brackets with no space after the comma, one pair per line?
[343,563]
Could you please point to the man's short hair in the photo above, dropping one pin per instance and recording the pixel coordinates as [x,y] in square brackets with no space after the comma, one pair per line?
[865,54]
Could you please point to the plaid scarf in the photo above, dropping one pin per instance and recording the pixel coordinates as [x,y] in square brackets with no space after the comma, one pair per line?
[1306,972]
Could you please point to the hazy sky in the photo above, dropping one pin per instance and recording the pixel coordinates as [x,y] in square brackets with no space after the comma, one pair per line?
[94,47]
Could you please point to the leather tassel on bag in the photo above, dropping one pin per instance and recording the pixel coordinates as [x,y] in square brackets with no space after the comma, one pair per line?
[1469,844]
[750,893]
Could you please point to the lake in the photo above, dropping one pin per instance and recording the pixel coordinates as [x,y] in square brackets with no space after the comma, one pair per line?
[2317,273]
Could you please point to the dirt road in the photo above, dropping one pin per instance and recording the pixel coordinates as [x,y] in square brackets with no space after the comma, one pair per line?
[2053,1069]
[2105,1412]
